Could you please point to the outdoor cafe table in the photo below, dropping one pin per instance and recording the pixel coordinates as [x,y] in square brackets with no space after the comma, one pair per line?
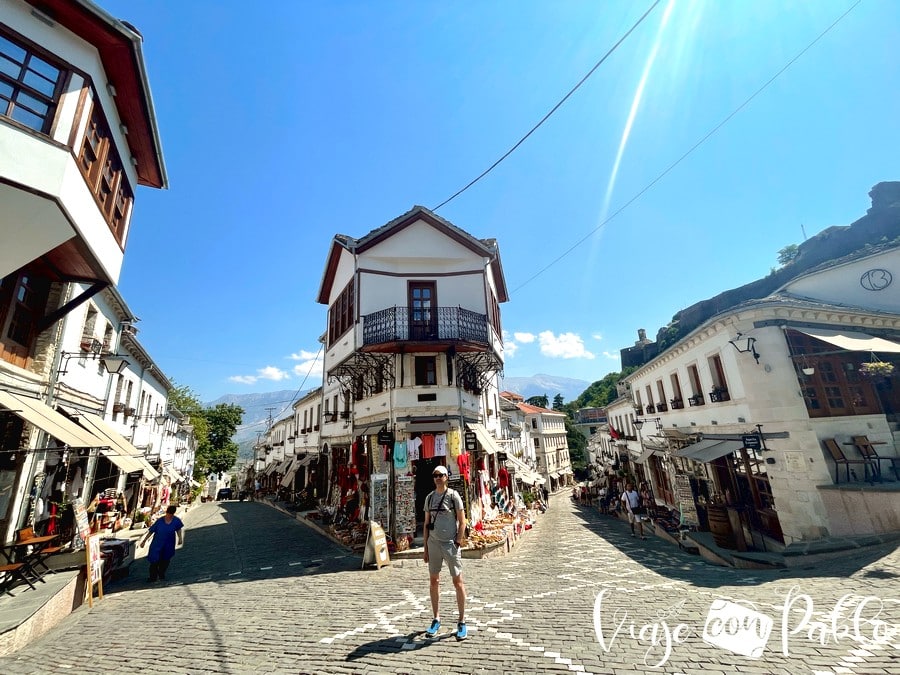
[18,551]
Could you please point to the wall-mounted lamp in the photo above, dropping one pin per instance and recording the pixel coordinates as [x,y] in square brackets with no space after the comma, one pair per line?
[113,363]
[639,423]
[750,346]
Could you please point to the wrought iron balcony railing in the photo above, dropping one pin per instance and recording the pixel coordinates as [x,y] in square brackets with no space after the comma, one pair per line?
[441,324]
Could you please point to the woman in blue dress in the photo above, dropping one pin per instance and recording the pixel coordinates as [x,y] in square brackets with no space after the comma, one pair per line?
[165,530]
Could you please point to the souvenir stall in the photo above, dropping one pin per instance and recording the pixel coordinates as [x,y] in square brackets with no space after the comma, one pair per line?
[55,488]
[347,498]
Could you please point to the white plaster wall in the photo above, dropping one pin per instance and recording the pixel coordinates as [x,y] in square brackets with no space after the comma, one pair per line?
[75,52]
[846,284]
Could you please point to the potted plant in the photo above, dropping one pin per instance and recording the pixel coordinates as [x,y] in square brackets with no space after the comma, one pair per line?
[877,369]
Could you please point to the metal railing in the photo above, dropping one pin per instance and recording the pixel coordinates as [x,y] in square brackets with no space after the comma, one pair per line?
[440,324]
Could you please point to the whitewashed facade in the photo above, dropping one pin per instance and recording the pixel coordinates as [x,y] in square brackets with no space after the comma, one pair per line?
[779,366]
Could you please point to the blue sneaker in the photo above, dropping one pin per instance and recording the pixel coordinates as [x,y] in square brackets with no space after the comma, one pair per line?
[433,628]
[461,632]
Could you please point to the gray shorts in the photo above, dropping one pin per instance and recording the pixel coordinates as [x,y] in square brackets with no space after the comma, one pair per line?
[438,552]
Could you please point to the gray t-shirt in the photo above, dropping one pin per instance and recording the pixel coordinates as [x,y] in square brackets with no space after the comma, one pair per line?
[443,514]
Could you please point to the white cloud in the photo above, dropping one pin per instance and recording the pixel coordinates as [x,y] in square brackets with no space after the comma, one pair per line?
[597,336]
[243,379]
[563,346]
[524,338]
[312,368]
[303,355]
[611,355]
[509,348]
[273,373]
[267,373]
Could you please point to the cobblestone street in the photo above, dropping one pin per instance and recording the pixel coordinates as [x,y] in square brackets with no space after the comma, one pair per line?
[254,591]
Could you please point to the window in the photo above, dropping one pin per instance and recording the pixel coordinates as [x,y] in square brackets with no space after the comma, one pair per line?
[694,378]
[422,310]
[341,313]
[26,307]
[30,86]
[676,391]
[426,370]
[102,170]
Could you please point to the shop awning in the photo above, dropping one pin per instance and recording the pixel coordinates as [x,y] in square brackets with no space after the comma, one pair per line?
[288,478]
[709,449]
[306,461]
[852,341]
[172,474]
[44,417]
[649,452]
[555,475]
[118,450]
[487,442]
[523,472]
[427,426]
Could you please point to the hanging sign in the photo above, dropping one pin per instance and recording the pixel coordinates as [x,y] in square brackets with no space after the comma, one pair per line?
[471,441]
[751,441]
[376,547]
[82,525]
[685,497]
[385,437]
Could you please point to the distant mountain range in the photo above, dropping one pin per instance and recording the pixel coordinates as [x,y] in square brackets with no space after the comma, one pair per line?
[549,385]
[277,404]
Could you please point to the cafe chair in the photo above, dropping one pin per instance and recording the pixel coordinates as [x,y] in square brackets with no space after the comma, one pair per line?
[10,574]
[839,458]
[867,449]
[42,549]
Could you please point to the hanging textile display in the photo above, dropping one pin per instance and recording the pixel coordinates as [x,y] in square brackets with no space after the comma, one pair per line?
[379,502]
[500,500]
[405,505]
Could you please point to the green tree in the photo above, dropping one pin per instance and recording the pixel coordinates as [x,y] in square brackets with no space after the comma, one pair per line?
[602,392]
[219,452]
[788,254]
[539,401]
[577,446]
[558,402]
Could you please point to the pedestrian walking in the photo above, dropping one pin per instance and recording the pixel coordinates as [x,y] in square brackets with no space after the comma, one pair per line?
[632,501]
[445,529]
[164,531]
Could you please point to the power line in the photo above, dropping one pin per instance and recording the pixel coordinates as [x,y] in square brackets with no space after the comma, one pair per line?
[689,152]
[552,110]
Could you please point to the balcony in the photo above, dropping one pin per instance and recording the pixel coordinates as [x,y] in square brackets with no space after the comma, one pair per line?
[651,409]
[719,395]
[696,399]
[661,407]
[676,403]
[442,324]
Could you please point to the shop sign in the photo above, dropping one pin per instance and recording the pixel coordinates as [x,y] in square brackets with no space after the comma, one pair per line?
[471,441]
[385,437]
[751,441]
[376,547]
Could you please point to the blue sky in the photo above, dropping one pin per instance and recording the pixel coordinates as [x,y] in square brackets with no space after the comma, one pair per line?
[286,123]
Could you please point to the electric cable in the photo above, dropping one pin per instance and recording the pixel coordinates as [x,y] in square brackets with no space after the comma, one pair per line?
[689,152]
[552,110]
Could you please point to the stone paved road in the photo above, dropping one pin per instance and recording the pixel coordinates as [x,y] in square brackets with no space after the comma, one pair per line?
[253,591]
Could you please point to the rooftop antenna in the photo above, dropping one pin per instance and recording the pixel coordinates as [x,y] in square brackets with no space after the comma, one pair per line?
[803,230]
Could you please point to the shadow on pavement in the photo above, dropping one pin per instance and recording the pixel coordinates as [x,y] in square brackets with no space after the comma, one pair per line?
[232,541]
[397,643]
[671,562]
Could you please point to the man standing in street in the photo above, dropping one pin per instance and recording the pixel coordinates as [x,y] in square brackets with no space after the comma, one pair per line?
[445,528]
